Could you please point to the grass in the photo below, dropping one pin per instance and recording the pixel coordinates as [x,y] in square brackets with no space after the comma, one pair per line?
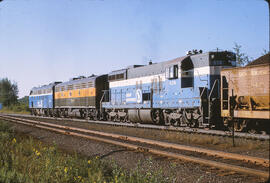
[201,140]
[19,108]
[24,159]
[217,141]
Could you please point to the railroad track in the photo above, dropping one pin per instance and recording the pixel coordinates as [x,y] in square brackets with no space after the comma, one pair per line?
[223,160]
[168,128]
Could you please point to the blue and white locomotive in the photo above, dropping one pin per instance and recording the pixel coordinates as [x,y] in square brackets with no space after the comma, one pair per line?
[41,99]
[181,92]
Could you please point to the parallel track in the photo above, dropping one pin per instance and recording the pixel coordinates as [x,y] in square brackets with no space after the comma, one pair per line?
[156,127]
[125,141]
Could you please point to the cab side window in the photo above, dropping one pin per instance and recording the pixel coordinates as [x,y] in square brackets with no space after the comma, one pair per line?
[171,72]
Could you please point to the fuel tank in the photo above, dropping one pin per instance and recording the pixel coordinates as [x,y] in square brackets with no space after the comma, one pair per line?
[140,115]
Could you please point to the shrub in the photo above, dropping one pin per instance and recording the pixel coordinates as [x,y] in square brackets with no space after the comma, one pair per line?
[24,159]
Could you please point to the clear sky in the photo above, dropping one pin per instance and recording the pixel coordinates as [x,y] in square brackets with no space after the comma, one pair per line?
[42,41]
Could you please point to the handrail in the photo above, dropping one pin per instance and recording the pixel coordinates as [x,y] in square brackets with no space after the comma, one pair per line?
[100,103]
[209,98]
[213,88]
[202,92]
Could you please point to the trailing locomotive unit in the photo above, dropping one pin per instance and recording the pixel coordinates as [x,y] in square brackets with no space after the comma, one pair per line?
[176,92]
[245,97]
[41,99]
[80,96]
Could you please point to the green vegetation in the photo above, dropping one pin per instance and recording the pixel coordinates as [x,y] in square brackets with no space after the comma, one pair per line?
[16,108]
[242,59]
[192,139]
[8,92]
[21,107]
[9,98]
[24,159]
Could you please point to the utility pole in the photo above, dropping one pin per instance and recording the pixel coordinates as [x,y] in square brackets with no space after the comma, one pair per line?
[268,1]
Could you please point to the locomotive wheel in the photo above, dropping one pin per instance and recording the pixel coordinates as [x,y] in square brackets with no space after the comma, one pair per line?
[112,118]
[166,120]
[252,131]
[158,117]
[242,126]
[96,115]
[177,123]
[121,119]
[232,126]
[252,127]
[239,126]
[50,112]
[173,122]
[182,121]
[192,123]
[126,119]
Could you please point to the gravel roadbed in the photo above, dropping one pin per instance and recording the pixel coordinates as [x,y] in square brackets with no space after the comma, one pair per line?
[181,171]
[249,147]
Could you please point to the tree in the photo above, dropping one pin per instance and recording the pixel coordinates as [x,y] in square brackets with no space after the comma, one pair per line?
[24,100]
[8,92]
[241,58]
[265,52]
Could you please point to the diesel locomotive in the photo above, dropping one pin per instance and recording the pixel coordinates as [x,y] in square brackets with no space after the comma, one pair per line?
[42,101]
[80,97]
[177,92]
[196,90]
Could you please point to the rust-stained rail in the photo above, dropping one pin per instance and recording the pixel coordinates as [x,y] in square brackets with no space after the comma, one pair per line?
[158,127]
[65,130]
[226,155]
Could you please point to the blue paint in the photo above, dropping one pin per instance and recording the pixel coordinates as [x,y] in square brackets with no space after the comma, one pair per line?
[42,101]
[171,95]
[42,97]
[1,106]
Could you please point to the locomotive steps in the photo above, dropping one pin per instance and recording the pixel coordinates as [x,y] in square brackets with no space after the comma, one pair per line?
[223,160]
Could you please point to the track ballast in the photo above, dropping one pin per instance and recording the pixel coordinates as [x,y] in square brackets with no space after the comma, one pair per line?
[222,160]
[155,127]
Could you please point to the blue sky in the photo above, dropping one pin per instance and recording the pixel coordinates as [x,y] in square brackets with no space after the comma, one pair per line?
[55,40]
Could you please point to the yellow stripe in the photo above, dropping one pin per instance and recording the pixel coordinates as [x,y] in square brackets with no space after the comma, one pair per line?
[86,92]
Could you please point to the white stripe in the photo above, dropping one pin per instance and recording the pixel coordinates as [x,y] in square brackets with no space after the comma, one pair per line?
[148,79]
[130,99]
[40,95]
[201,71]
[130,82]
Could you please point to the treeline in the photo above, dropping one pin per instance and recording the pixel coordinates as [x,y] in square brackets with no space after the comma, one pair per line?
[9,97]
[8,92]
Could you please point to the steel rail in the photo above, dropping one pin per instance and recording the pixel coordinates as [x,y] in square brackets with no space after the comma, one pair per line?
[155,127]
[225,155]
[219,165]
